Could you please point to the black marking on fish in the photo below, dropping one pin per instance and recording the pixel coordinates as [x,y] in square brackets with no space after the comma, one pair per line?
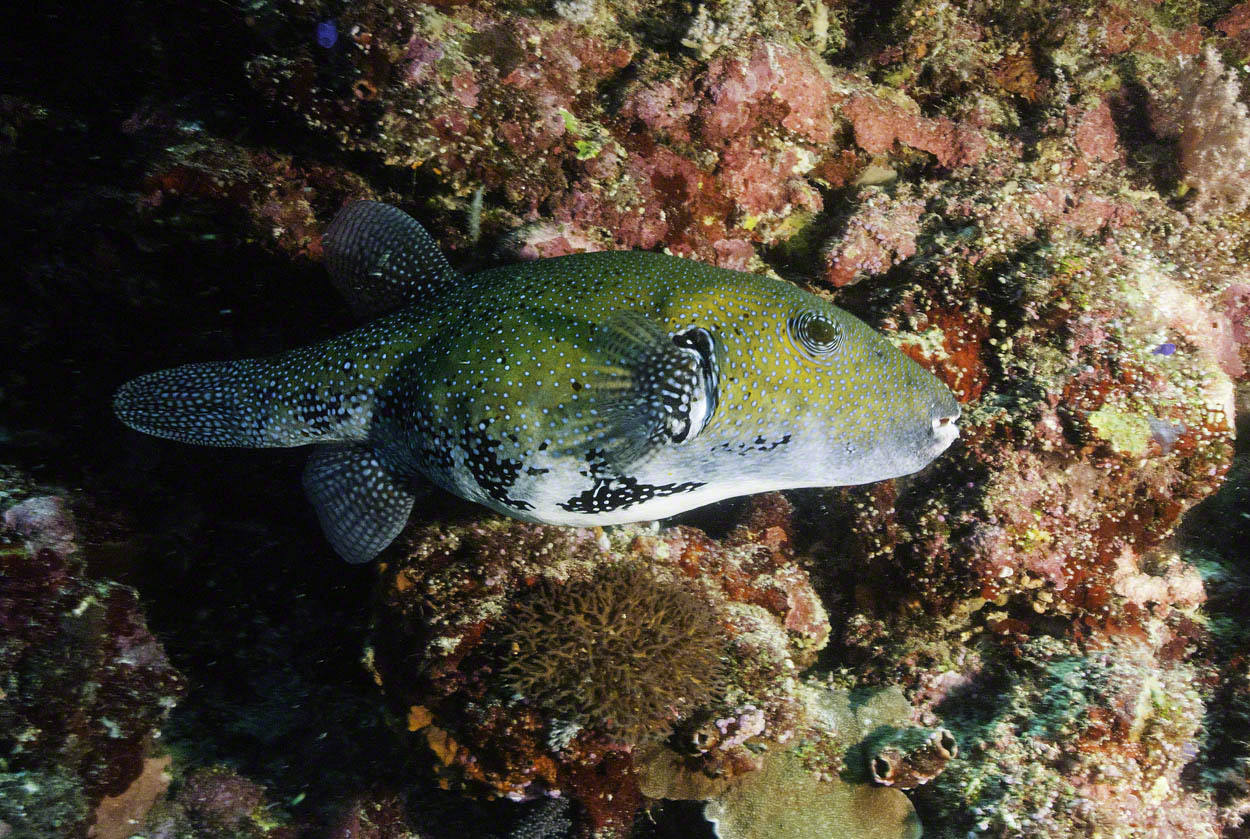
[493,473]
[759,444]
[612,491]
[619,492]
[648,400]
[405,435]
[431,454]
[693,414]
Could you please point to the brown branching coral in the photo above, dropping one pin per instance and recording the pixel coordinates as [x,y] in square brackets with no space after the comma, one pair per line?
[1215,140]
[624,650]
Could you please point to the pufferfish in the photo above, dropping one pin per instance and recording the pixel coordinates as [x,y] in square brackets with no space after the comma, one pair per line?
[592,389]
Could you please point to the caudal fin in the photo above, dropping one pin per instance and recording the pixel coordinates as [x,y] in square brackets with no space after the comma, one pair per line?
[210,404]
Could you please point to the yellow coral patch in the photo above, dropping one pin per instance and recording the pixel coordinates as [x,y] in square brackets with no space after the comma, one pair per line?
[1126,432]
[419,717]
[442,744]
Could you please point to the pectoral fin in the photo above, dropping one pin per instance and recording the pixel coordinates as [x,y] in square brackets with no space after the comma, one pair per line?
[362,507]
[652,391]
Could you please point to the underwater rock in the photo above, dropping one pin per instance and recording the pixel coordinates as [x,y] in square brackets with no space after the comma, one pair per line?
[1061,476]
[1062,741]
[451,652]
[85,684]
[376,818]
[36,805]
[218,803]
[44,523]
[1052,525]
[220,799]
[541,240]
[880,124]
[275,193]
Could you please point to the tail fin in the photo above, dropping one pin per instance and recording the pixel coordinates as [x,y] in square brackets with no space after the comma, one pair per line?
[211,404]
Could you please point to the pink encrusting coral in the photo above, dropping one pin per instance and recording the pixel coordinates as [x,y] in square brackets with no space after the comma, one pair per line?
[725,154]
[879,125]
[881,233]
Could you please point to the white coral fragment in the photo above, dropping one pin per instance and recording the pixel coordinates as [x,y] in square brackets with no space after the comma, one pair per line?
[1215,138]
[576,11]
[711,30]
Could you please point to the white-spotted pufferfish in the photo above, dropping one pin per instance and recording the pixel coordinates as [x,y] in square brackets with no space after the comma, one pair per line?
[597,388]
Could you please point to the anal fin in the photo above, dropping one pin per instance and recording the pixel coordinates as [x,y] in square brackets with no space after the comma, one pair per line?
[360,504]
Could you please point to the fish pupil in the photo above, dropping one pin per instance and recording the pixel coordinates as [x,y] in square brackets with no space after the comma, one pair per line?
[822,332]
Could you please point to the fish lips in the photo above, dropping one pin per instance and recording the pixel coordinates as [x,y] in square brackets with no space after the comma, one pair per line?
[943,430]
[928,439]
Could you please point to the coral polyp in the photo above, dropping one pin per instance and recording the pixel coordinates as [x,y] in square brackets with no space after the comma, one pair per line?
[624,650]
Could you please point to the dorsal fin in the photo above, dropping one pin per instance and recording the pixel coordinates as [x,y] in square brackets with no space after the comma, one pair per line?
[380,258]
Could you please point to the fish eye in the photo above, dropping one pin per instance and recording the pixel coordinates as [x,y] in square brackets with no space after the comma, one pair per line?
[816,334]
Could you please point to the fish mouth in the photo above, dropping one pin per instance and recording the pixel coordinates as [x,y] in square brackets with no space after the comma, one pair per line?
[944,429]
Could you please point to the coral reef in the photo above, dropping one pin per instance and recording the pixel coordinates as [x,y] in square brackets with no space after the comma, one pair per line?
[827,782]
[83,683]
[466,614]
[1044,203]
[1074,743]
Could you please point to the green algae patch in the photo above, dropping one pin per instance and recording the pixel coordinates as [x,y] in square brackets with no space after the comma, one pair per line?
[1128,433]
